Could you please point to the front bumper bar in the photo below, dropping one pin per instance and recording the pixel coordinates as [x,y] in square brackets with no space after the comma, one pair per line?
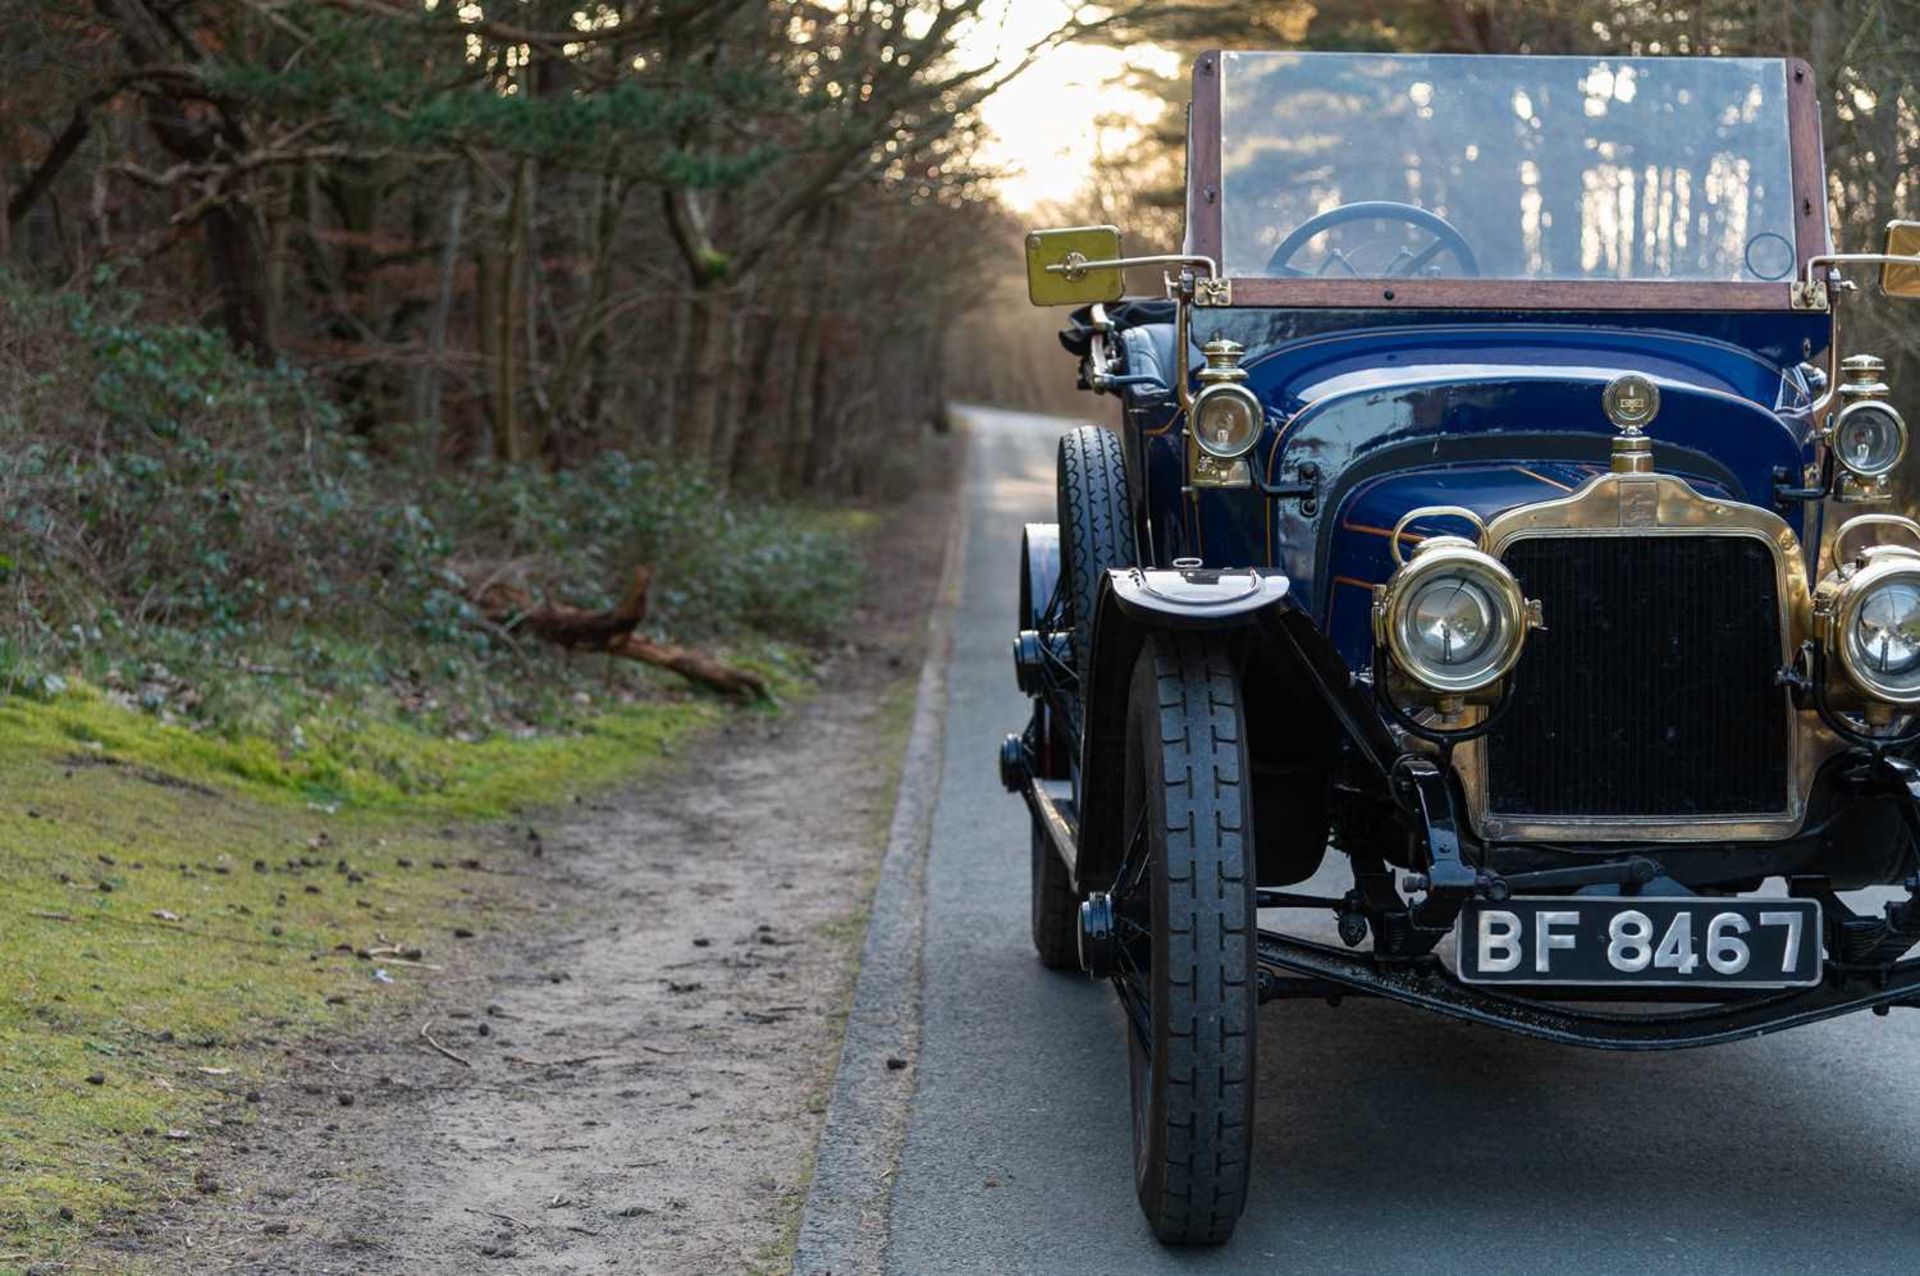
[1298,967]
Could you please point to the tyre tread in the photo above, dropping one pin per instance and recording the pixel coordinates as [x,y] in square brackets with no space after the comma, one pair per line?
[1096,525]
[1199,1189]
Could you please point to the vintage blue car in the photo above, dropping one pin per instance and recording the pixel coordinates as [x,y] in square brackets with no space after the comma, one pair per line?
[1497,502]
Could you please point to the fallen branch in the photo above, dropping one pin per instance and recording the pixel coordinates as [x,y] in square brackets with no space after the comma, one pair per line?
[561,623]
[514,608]
[426,1035]
[695,666]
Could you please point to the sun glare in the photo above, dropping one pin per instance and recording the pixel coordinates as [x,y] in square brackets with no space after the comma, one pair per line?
[1044,127]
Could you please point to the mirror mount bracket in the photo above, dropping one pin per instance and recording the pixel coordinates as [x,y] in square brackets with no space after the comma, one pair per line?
[1076,267]
[1812,292]
[1808,294]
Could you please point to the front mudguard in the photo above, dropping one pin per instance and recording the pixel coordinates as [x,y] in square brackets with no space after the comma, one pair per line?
[1267,622]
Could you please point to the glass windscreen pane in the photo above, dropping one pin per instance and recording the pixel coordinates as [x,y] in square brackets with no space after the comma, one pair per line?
[1432,166]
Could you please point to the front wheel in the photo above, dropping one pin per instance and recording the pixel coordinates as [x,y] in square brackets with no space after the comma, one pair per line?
[1184,901]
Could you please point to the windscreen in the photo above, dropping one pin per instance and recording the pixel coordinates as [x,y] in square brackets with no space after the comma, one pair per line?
[1382,166]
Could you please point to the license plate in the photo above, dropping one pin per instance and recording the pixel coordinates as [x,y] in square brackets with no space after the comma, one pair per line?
[1666,941]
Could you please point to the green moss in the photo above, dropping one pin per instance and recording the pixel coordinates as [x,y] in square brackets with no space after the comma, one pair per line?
[368,766]
[177,903]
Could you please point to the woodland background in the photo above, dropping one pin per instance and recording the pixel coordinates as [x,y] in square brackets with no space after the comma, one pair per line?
[387,385]
[318,317]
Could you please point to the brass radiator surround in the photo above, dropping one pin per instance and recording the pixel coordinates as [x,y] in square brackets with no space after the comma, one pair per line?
[1641,505]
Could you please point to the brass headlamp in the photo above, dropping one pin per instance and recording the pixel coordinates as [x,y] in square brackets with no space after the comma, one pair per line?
[1866,614]
[1451,619]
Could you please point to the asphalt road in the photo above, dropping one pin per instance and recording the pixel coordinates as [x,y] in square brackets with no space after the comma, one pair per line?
[1389,1140]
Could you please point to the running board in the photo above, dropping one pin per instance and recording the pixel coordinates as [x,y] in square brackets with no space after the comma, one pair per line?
[1057,817]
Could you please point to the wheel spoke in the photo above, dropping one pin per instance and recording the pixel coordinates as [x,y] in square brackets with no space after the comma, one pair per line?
[1134,1002]
[1133,935]
[1418,260]
[1338,258]
[1133,865]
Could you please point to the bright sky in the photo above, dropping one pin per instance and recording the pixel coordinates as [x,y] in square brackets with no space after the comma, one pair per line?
[1042,124]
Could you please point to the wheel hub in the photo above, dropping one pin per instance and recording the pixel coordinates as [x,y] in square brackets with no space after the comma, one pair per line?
[1014,769]
[1099,945]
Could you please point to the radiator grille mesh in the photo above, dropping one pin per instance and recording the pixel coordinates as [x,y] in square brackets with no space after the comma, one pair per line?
[1652,691]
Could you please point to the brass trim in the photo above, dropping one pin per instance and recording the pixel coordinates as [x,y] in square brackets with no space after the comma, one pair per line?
[1662,505]
[1074,265]
[1840,594]
[1866,523]
[1213,291]
[1876,567]
[1221,390]
[1631,401]
[1871,475]
[1434,511]
[1900,278]
[1442,556]
[1802,295]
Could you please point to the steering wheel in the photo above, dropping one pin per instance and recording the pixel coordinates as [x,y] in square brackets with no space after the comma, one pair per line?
[1446,238]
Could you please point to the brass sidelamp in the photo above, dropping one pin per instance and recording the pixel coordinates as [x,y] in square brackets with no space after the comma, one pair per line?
[1225,420]
[1868,437]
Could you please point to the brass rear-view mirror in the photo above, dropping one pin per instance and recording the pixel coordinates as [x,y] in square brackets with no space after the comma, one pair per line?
[1064,267]
[1901,278]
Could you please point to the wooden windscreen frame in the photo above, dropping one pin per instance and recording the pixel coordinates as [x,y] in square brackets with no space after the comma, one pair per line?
[1810,236]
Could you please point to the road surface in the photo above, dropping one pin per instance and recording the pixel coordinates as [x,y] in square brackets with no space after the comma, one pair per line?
[1388,1140]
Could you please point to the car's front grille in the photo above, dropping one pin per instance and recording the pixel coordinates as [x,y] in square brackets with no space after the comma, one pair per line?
[1653,689]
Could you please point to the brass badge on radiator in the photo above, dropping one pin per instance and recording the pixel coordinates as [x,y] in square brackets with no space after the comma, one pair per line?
[1639,503]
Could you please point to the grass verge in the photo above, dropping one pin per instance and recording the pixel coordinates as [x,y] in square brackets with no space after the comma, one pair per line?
[178,905]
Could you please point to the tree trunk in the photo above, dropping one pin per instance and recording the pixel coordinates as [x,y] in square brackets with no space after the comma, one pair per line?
[667,376]
[613,198]
[824,446]
[535,430]
[486,306]
[509,446]
[794,472]
[233,251]
[736,385]
[63,149]
[230,230]
[427,386]
[757,445]
[702,365]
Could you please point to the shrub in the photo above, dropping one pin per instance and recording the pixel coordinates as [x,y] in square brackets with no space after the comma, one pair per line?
[179,521]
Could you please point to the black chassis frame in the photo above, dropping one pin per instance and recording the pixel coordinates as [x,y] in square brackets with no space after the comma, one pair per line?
[1083,735]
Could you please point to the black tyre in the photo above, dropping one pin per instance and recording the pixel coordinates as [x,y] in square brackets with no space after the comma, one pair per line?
[1056,909]
[1096,526]
[1186,899]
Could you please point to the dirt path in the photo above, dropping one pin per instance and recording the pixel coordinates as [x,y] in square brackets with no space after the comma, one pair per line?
[649,1065]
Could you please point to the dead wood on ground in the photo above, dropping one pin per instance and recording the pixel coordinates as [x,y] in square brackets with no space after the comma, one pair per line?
[513,607]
